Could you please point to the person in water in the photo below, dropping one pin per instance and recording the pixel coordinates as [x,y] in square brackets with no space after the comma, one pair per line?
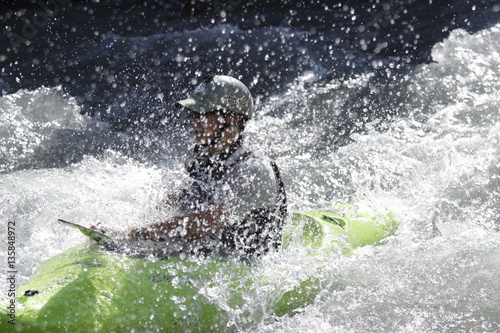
[235,200]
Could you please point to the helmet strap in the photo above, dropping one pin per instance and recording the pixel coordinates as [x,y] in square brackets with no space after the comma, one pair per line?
[218,136]
[224,127]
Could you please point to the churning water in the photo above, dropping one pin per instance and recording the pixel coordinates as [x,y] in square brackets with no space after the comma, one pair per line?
[418,138]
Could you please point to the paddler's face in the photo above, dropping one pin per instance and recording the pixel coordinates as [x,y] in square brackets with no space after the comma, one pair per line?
[206,126]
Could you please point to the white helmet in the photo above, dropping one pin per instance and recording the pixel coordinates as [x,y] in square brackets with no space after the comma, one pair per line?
[219,93]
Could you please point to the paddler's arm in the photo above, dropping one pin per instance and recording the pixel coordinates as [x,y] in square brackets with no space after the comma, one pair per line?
[190,226]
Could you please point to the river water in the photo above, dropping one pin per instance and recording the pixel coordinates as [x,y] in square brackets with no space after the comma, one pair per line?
[391,105]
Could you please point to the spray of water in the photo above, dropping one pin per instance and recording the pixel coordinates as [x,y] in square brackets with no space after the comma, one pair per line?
[434,162]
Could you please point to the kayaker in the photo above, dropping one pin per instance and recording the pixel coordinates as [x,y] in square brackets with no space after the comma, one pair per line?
[235,201]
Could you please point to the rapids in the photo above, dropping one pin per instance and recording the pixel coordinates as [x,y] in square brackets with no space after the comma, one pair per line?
[422,141]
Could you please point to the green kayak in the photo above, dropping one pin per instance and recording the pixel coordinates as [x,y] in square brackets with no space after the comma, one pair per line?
[90,289]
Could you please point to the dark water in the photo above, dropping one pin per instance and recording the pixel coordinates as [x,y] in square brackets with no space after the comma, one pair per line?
[386,104]
[116,57]
[126,61]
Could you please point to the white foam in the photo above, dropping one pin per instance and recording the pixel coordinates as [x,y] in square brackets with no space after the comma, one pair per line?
[31,120]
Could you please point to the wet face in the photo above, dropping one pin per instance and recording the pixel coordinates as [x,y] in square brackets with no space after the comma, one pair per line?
[206,127]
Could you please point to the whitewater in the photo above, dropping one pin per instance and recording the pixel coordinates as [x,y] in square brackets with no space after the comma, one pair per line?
[433,160]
